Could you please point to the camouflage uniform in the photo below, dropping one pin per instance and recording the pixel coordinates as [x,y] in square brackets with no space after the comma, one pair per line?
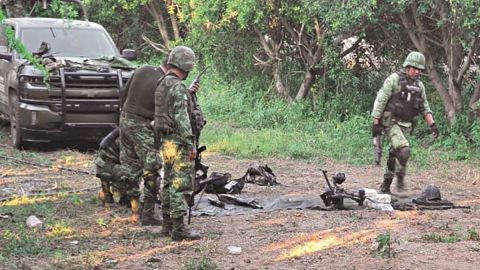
[397,108]
[173,126]
[109,170]
[137,151]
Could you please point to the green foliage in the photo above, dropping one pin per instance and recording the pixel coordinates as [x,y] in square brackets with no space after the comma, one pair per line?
[384,244]
[434,237]
[472,235]
[75,200]
[58,9]
[21,241]
[204,263]
[18,46]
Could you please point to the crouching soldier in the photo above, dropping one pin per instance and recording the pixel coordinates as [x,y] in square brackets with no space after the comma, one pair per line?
[109,170]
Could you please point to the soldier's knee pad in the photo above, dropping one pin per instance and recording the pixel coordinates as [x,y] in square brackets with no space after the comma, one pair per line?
[403,154]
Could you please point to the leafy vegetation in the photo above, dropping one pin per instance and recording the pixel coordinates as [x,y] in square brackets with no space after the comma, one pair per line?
[384,244]
[203,263]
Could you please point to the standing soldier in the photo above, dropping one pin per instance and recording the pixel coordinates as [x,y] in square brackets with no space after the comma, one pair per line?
[137,151]
[401,98]
[172,125]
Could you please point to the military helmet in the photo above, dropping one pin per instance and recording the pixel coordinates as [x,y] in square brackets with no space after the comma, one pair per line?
[182,57]
[431,193]
[415,59]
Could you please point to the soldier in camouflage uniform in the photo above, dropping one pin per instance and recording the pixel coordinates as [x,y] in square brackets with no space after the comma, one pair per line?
[401,98]
[174,130]
[137,151]
[109,170]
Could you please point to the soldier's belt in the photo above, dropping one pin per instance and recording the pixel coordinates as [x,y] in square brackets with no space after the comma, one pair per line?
[135,117]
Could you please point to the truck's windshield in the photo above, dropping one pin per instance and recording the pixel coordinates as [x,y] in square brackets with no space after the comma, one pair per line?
[66,42]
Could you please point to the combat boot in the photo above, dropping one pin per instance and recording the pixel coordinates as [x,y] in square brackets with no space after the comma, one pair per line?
[105,195]
[124,201]
[400,182]
[181,232]
[385,187]
[135,205]
[148,212]
[166,226]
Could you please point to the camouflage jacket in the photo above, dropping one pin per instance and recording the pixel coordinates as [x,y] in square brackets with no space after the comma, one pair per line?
[172,120]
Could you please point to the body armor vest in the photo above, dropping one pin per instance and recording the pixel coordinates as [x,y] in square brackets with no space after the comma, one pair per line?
[407,103]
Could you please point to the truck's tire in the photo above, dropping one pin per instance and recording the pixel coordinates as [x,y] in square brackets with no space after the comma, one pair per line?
[15,131]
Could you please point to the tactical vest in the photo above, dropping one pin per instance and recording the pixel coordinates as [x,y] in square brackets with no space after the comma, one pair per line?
[407,103]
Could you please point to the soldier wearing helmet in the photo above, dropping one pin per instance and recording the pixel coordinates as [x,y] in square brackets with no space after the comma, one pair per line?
[177,145]
[401,98]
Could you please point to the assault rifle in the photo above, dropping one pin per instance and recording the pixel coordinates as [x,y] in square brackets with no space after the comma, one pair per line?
[334,195]
[377,149]
[201,171]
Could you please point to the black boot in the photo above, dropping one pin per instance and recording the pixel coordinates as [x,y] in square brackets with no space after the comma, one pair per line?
[166,226]
[124,200]
[385,187]
[181,232]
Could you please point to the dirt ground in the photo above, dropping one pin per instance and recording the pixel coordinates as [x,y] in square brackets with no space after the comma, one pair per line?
[286,239]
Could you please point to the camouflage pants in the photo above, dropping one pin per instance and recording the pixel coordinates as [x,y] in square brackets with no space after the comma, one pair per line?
[114,174]
[137,153]
[397,139]
[178,178]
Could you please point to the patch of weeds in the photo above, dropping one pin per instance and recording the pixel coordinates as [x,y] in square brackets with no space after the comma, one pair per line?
[213,235]
[101,222]
[59,229]
[384,244]
[204,263]
[93,200]
[472,235]
[22,242]
[76,200]
[8,263]
[441,238]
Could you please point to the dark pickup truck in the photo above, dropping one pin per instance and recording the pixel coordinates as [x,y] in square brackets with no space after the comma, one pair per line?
[80,99]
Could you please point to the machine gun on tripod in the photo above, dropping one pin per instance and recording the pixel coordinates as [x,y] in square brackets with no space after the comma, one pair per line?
[334,195]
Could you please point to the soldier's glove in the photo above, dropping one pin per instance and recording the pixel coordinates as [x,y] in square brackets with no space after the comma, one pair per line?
[192,154]
[435,132]
[376,130]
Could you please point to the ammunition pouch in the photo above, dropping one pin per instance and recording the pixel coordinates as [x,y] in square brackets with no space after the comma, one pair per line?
[407,103]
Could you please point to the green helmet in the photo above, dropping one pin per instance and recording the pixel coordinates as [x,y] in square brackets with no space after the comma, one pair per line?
[431,193]
[182,57]
[415,59]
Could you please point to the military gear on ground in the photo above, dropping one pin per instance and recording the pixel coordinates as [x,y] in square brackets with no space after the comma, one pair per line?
[222,183]
[407,103]
[260,175]
[182,57]
[434,129]
[416,60]
[180,231]
[431,193]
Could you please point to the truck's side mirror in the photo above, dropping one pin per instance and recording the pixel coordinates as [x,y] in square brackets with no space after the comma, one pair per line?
[129,54]
[4,54]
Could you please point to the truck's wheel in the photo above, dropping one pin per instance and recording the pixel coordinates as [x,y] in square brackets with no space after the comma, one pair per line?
[15,130]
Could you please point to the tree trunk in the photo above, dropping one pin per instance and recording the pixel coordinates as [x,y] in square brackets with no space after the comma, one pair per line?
[159,20]
[475,98]
[305,86]
[279,86]
[173,21]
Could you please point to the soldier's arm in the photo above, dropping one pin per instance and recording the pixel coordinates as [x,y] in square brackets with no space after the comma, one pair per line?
[427,112]
[179,113]
[384,95]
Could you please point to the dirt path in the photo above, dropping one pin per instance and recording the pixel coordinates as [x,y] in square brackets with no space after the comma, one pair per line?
[289,239]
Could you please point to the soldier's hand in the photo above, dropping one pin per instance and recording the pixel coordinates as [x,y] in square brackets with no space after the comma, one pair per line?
[192,154]
[435,132]
[194,87]
[376,130]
